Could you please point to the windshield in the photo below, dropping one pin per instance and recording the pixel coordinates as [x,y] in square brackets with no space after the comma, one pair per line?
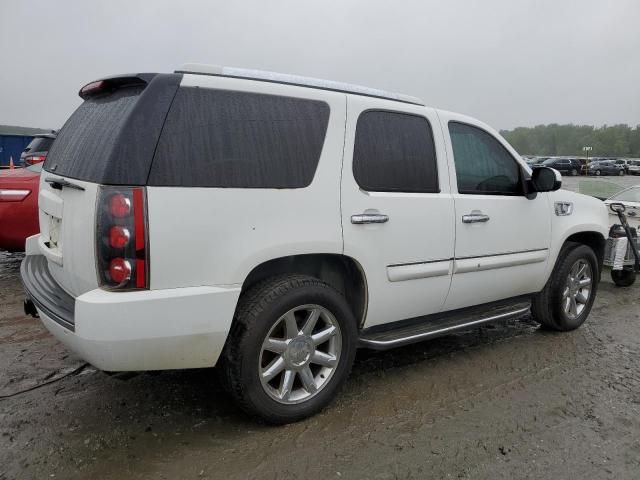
[549,161]
[37,168]
[630,195]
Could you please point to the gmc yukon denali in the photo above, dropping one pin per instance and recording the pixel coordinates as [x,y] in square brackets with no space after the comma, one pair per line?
[270,225]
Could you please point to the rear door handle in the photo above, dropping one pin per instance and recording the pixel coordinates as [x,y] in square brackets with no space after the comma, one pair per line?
[475,217]
[364,218]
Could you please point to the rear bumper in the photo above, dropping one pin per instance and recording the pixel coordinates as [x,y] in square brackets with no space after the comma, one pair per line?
[48,297]
[143,330]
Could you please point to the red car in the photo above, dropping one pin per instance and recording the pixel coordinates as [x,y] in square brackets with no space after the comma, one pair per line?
[18,206]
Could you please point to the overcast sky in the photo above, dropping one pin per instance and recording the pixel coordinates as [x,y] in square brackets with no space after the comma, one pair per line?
[509,63]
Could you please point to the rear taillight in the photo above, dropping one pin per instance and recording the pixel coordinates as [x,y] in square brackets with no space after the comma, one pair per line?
[13,195]
[122,238]
[34,159]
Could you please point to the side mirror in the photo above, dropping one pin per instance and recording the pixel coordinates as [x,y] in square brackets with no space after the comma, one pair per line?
[545,179]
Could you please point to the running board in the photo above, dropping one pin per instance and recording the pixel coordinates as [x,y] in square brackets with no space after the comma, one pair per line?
[431,326]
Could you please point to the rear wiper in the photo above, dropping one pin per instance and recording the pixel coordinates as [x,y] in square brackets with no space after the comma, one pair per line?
[58,183]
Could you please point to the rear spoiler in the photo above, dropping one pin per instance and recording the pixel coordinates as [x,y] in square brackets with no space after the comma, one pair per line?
[111,84]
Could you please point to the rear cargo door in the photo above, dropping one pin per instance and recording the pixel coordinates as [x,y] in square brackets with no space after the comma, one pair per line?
[109,140]
[67,232]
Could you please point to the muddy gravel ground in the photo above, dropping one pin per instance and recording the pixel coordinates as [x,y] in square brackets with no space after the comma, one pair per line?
[504,401]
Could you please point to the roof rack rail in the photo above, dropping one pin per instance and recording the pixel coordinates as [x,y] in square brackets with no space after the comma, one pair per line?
[298,80]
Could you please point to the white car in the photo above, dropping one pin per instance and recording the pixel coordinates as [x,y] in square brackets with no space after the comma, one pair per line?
[634,167]
[271,224]
[630,197]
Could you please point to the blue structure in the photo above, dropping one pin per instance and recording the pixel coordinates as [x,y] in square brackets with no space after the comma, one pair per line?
[13,140]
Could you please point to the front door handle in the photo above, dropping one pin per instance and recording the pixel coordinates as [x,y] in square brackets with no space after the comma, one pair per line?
[475,216]
[364,218]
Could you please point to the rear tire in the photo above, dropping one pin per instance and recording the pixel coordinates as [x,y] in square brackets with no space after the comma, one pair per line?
[598,173]
[566,300]
[621,173]
[290,349]
[574,173]
[623,278]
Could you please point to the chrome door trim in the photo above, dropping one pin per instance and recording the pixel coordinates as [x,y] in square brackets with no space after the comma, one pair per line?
[500,260]
[414,271]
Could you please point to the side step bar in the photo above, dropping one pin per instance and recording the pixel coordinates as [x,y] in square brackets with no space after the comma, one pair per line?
[431,326]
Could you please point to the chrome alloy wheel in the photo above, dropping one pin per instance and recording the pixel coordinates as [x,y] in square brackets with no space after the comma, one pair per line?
[577,290]
[300,354]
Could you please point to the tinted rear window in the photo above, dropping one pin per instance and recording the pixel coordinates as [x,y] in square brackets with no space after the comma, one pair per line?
[220,138]
[39,144]
[394,152]
[85,142]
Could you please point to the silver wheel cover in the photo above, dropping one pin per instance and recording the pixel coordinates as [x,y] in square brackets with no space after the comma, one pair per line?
[300,354]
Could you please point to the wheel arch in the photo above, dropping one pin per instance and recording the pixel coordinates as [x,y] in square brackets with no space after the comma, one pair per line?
[342,272]
[594,240]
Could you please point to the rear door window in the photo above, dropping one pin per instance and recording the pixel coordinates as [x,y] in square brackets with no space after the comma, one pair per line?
[394,152]
[221,138]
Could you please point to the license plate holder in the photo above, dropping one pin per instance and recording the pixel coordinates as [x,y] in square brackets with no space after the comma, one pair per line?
[54,232]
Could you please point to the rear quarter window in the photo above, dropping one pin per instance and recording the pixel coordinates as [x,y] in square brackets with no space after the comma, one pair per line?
[221,138]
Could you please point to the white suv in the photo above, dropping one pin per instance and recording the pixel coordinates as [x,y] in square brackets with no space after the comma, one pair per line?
[271,224]
[634,167]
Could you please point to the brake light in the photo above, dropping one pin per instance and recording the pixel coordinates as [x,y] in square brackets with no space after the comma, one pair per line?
[122,253]
[13,195]
[34,159]
[93,88]
[120,270]
[119,236]
[120,205]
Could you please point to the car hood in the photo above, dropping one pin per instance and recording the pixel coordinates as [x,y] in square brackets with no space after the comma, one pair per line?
[632,212]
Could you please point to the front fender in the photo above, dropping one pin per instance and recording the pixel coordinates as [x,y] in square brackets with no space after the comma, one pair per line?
[589,215]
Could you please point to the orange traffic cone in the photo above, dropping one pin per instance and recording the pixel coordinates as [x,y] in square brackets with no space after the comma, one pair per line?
[11,166]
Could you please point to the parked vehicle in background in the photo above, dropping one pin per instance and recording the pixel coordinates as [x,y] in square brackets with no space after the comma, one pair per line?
[634,167]
[630,197]
[622,163]
[18,206]
[36,151]
[315,217]
[605,167]
[569,166]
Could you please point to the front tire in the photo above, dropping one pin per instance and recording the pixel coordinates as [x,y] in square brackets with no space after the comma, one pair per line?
[574,173]
[566,300]
[290,349]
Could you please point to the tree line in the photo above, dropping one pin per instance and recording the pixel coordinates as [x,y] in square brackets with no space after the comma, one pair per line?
[548,140]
